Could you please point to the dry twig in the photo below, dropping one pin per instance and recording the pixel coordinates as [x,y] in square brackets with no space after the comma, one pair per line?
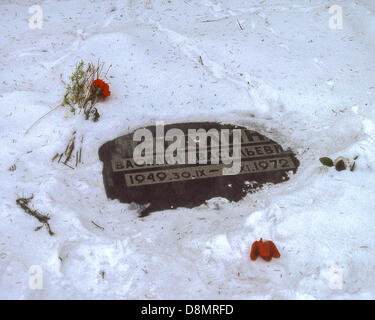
[24,204]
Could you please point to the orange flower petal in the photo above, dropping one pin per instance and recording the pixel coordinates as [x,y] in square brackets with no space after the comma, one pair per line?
[274,252]
[103,86]
[254,251]
[267,250]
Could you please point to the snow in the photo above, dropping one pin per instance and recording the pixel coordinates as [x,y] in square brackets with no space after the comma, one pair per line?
[284,73]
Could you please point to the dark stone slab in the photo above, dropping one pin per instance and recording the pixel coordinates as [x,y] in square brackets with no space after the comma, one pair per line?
[159,187]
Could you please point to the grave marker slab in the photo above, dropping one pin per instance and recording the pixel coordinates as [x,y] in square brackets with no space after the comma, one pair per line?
[167,186]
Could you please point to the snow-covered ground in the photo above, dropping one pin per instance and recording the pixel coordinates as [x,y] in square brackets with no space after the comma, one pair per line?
[273,66]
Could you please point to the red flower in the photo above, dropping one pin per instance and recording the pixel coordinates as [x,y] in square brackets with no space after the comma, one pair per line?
[267,250]
[102,88]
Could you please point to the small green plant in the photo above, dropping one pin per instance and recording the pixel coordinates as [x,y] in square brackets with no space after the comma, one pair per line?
[82,92]
[85,88]
[326,161]
[75,91]
[340,163]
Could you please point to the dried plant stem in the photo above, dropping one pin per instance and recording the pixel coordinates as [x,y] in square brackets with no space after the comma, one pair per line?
[35,122]
[70,148]
[96,225]
[72,152]
[24,204]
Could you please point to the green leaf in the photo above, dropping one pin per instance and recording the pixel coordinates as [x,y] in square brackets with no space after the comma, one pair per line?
[326,161]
